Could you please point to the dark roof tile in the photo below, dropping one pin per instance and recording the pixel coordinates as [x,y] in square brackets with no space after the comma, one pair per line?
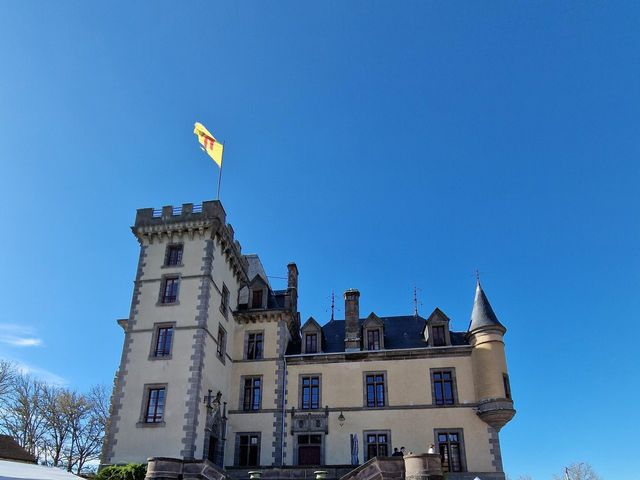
[10,450]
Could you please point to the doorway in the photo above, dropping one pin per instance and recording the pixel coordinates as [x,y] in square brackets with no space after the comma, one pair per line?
[309,449]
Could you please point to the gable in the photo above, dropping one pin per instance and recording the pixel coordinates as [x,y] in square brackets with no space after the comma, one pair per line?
[437,316]
[372,321]
[311,326]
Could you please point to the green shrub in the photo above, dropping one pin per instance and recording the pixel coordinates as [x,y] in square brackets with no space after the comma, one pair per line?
[131,471]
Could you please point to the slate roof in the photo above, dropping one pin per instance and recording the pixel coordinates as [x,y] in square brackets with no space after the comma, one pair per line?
[482,314]
[10,450]
[399,332]
[275,301]
[255,267]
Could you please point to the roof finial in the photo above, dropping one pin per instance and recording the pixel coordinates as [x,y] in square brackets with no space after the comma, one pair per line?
[415,301]
[333,303]
[477,276]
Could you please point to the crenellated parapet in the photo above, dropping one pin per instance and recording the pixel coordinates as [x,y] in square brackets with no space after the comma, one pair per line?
[206,220]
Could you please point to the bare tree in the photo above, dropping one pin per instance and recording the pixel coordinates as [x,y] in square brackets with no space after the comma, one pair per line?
[91,433]
[578,471]
[7,376]
[76,413]
[60,427]
[55,403]
[22,416]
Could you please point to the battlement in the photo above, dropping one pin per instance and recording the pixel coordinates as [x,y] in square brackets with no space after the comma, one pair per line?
[187,212]
[188,219]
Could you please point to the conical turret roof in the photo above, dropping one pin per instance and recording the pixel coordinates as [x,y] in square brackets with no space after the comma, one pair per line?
[482,314]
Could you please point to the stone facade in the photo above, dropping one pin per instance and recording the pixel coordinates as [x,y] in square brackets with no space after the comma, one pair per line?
[292,398]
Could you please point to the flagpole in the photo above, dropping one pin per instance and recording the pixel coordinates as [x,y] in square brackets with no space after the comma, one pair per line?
[220,174]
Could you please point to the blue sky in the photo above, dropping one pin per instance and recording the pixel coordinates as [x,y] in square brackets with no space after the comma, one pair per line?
[380,145]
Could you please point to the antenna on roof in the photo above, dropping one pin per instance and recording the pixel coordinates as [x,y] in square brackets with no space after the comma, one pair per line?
[333,304]
[415,301]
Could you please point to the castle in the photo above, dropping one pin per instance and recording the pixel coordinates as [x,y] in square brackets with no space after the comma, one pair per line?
[217,365]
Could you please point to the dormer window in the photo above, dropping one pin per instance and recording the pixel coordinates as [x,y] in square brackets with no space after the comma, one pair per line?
[436,331]
[373,333]
[256,302]
[373,340]
[439,339]
[311,343]
[311,336]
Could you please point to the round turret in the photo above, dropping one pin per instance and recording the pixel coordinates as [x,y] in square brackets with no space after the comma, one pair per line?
[486,336]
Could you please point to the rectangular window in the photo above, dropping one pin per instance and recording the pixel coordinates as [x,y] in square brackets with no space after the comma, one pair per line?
[310,393]
[174,255]
[439,339]
[155,405]
[164,337]
[170,290]
[373,340]
[222,343]
[311,343]
[443,387]
[254,346]
[252,394]
[377,445]
[257,299]
[375,391]
[507,386]
[224,301]
[248,450]
[450,448]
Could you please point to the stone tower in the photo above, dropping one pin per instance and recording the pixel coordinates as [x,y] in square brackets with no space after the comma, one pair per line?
[189,273]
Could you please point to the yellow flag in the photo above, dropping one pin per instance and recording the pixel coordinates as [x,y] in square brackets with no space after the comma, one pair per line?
[209,144]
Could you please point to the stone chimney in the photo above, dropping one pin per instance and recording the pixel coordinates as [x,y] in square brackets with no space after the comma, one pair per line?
[292,287]
[351,320]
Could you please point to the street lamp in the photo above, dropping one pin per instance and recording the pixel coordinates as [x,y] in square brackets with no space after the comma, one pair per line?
[341,419]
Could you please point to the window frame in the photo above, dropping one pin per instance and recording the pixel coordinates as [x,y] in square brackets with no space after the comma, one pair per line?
[243,388]
[301,387]
[439,341]
[247,342]
[372,332]
[260,297]
[307,336]
[435,323]
[224,301]
[156,337]
[144,408]
[167,255]
[449,431]
[163,287]
[507,386]
[454,386]
[366,444]
[238,444]
[385,389]
[221,346]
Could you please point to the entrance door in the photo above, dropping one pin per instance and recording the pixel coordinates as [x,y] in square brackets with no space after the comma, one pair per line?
[309,449]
